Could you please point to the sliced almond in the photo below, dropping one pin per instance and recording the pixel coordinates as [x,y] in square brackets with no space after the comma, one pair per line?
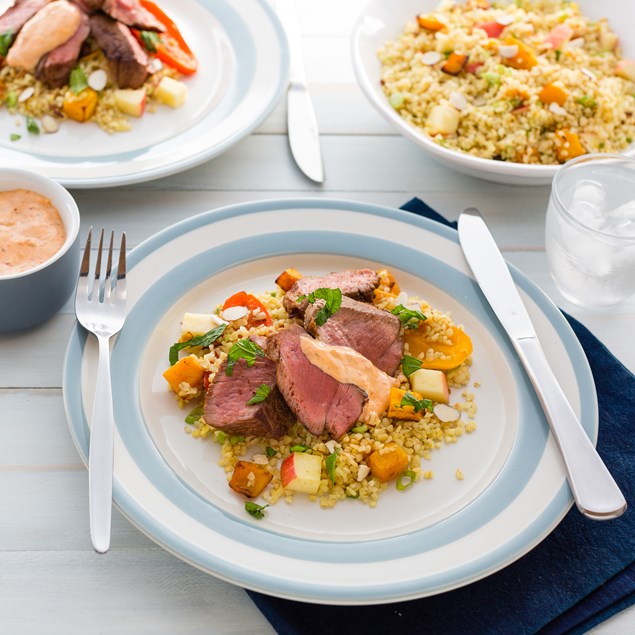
[331,444]
[27,93]
[431,58]
[557,109]
[233,313]
[508,50]
[98,79]
[457,99]
[362,472]
[155,66]
[505,20]
[445,413]
[50,124]
[588,73]
[576,44]
[260,459]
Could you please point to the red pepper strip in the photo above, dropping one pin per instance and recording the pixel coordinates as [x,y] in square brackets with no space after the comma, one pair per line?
[252,303]
[172,49]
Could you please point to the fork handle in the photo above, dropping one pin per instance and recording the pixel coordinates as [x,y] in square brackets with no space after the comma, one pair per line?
[100,456]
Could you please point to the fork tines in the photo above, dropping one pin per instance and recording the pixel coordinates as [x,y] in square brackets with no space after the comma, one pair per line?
[100,284]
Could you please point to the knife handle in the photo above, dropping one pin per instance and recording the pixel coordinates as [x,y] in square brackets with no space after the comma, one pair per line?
[595,492]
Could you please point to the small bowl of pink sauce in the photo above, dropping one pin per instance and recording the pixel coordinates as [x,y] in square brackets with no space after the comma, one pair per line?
[39,248]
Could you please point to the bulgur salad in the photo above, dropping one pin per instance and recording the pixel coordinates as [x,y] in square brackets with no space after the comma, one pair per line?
[531,81]
[100,61]
[334,392]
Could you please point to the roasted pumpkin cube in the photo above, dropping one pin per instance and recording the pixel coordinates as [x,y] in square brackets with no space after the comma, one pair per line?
[397,411]
[388,462]
[80,106]
[568,145]
[187,369]
[250,478]
[430,23]
[524,59]
[455,63]
[552,93]
[421,343]
[288,278]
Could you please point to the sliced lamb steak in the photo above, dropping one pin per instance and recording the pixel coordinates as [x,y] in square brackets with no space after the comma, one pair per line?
[89,6]
[227,396]
[21,11]
[370,331]
[131,13]
[358,284]
[320,402]
[54,68]
[127,60]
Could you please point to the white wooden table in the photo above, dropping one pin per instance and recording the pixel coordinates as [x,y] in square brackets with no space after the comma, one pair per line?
[51,581]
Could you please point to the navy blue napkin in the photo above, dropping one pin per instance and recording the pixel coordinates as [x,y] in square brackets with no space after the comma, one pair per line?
[576,578]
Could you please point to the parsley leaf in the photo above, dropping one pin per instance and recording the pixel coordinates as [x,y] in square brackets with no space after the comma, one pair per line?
[200,340]
[330,462]
[31,125]
[245,349]
[418,404]
[332,302]
[6,39]
[409,318]
[78,80]
[14,136]
[410,364]
[150,40]
[270,451]
[298,448]
[11,100]
[194,415]
[262,392]
[257,511]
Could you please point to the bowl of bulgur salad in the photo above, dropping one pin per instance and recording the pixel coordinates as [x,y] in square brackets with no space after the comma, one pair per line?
[505,91]
[489,497]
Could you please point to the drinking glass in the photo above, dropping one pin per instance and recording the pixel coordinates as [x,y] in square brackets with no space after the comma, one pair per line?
[590,230]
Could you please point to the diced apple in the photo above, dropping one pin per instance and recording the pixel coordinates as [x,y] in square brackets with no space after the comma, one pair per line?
[608,40]
[626,69]
[558,36]
[301,472]
[431,384]
[171,92]
[493,29]
[131,101]
[198,323]
[443,119]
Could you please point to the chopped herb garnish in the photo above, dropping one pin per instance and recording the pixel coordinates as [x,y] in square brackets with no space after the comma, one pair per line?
[243,349]
[194,415]
[236,438]
[262,392]
[11,100]
[270,451]
[298,448]
[6,39]
[14,136]
[408,474]
[221,436]
[558,55]
[150,40]
[361,429]
[410,364]
[78,80]
[332,302]
[31,125]
[587,101]
[409,318]
[330,462]
[200,340]
[418,404]
[257,511]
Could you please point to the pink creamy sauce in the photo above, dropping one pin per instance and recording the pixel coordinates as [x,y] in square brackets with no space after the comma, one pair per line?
[31,231]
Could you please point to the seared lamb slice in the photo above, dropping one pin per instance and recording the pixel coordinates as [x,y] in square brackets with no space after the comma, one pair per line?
[373,332]
[54,68]
[131,13]
[89,6]
[320,402]
[227,396]
[127,60]
[14,18]
[358,284]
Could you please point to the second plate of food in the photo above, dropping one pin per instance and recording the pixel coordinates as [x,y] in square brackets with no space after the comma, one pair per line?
[242,71]
[501,91]
[488,498]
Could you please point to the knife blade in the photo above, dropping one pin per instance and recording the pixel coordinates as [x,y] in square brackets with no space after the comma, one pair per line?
[303,133]
[594,490]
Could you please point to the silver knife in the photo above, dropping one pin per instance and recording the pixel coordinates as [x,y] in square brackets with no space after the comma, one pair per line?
[304,137]
[595,492]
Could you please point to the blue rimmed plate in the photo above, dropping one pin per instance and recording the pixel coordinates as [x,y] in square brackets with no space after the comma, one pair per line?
[243,69]
[436,535]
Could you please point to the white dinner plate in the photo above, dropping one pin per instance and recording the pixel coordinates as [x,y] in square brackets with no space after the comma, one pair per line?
[243,69]
[381,21]
[436,535]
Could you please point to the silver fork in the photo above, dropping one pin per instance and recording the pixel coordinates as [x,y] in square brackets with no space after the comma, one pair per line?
[100,306]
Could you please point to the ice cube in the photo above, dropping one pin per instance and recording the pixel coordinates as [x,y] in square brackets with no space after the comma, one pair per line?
[621,220]
[588,202]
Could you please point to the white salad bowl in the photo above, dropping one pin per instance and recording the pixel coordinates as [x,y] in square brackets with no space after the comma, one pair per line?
[382,21]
